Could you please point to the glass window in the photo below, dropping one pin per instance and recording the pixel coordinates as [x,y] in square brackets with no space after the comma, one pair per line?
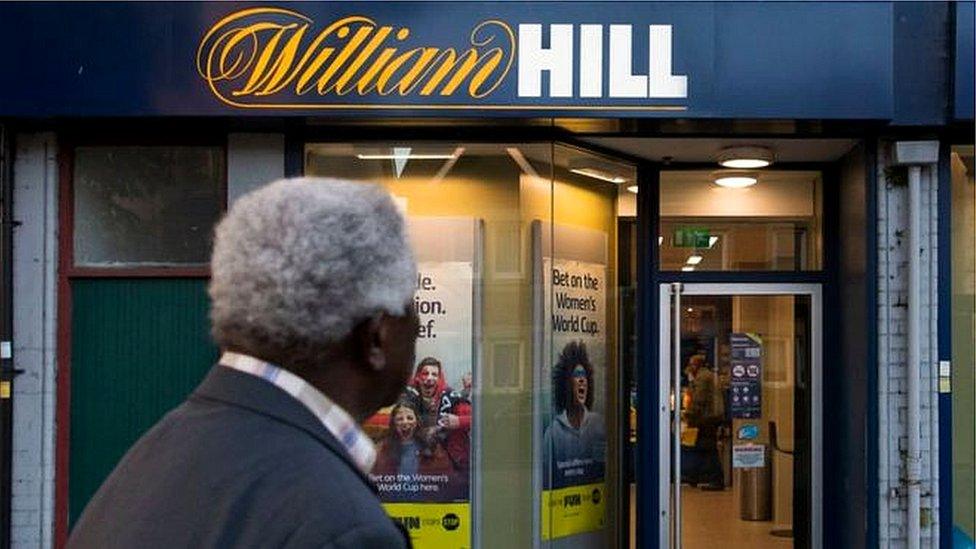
[772,225]
[963,345]
[146,205]
[516,250]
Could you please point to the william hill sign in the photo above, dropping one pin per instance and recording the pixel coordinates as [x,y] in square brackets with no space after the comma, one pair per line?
[275,58]
[415,58]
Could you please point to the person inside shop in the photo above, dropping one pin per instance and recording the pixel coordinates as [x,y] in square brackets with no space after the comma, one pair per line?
[576,438]
[404,453]
[312,285]
[705,413]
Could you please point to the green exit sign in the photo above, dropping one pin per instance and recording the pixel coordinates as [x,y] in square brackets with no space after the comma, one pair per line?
[691,237]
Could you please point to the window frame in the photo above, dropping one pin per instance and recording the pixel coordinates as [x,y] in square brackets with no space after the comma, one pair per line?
[66,205]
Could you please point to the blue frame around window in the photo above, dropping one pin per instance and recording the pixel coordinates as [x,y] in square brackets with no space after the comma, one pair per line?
[649,278]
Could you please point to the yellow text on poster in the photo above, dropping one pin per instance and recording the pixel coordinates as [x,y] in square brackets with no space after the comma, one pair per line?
[573,510]
[434,525]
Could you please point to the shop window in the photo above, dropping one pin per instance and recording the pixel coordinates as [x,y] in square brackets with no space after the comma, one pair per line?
[963,345]
[773,224]
[516,246]
[145,206]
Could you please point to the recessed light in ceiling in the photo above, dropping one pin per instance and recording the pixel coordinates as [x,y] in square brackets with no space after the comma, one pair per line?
[734,179]
[602,175]
[407,156]
[745,158]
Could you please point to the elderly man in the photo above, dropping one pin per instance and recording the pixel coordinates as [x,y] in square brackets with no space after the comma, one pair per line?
[312,291]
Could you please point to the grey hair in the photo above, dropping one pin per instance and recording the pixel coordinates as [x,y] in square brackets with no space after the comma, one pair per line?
[299,262]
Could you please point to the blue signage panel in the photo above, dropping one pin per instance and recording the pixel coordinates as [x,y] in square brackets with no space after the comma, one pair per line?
[965,60]
[745,388]
[604,59]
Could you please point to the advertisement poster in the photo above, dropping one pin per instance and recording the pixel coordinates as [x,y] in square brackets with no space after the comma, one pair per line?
[748,456]
[573,377]
[424,450]
[746,369]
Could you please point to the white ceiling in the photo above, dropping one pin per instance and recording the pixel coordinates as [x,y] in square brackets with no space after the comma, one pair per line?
[707,149]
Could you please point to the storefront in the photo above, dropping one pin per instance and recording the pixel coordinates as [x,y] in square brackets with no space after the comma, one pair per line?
[663,251]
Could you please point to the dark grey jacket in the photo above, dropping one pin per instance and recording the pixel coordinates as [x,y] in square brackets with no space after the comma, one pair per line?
[239,464]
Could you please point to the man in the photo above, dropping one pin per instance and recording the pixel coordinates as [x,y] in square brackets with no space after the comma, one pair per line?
[706,414]
[312,286]
[429,387]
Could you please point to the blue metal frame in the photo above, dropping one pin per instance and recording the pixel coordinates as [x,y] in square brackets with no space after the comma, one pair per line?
[945,342]
[648,342]
[871,282]
[648,469]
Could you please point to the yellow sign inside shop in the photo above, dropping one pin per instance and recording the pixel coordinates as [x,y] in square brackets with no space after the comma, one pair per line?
[434,525]
[573,510]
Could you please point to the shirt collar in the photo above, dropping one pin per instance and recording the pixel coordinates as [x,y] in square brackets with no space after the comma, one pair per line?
[336,420]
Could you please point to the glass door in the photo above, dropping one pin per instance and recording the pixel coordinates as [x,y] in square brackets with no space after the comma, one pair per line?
[739,415]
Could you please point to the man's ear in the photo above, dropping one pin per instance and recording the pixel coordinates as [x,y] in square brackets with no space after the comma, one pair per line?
[375,334]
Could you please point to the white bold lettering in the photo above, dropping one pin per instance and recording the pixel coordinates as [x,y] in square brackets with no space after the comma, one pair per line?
[557,59]
[591,61]
[623,83]
[661,83]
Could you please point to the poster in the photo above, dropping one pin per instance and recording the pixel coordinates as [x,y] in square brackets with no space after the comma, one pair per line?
[572,411]
[748,456]
[746,368]
[423,468]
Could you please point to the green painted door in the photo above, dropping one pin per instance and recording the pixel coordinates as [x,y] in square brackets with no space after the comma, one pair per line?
[138,347]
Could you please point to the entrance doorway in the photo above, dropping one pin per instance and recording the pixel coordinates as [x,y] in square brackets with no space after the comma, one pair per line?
[738,405]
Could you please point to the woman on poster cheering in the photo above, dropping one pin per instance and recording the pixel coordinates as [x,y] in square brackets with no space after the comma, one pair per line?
[576,439]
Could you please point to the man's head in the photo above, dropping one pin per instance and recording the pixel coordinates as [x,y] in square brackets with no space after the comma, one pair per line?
[573,378]
[428,377]
[695,363]
[316,276]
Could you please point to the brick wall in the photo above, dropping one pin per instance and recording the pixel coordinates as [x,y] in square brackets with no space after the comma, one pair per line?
[893,351]
[35,306]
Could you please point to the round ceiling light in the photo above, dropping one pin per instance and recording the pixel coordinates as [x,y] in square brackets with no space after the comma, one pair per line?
[745,158]
[734,179]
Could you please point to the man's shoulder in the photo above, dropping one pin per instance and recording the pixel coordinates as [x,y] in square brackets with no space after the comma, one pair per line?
[203,460]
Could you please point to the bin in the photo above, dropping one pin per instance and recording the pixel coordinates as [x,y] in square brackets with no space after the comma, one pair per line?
[755,489]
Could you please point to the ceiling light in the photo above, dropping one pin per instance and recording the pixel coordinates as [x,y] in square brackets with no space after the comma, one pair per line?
[748,158]
[660,240]
[632,188]
[690,310]
[406,156]
[695,259]
[712,240]
[599,174]
[522,162]
[733,179]
[687,268]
